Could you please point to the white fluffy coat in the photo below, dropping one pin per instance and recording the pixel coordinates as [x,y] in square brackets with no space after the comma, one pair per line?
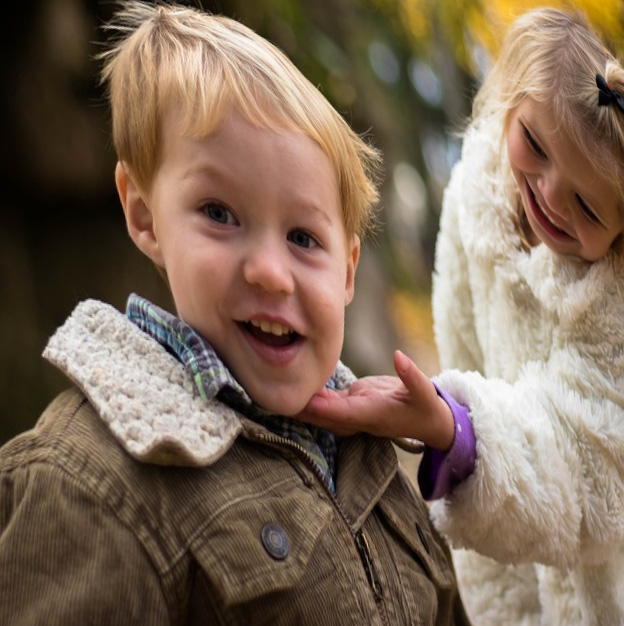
[533,344]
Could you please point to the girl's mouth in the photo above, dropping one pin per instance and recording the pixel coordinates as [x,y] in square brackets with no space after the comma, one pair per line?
[544,220]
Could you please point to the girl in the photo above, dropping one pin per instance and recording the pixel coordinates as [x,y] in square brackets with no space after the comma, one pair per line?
[528,302]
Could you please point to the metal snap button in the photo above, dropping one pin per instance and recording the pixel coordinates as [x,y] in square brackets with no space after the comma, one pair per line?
[275,541]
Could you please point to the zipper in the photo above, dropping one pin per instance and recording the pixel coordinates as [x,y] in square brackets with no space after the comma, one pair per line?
[359,538]
[367,560]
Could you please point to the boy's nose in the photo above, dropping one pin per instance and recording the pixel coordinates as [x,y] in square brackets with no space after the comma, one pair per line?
[266,266]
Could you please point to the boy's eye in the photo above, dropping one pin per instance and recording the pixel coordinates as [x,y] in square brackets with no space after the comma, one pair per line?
[302,239]
[589,214]
[534,145]
[218,213]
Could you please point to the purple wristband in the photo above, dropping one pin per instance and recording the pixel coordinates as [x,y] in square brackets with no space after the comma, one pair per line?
[439,471]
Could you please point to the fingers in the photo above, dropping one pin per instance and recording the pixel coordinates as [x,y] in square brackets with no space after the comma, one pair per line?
[320,403]
[329,410]
[409,374]
[329,403]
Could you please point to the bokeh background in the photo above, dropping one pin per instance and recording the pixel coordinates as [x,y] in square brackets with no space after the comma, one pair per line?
[402,71]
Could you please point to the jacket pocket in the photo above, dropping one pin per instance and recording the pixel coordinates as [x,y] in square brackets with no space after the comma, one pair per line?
[407,514]
[260,543]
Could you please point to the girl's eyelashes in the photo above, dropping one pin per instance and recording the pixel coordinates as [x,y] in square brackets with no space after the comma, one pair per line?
[589,214]
[220,214]
[302,239]
[533,143]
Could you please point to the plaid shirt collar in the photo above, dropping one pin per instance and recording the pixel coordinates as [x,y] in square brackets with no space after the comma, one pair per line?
[214,381]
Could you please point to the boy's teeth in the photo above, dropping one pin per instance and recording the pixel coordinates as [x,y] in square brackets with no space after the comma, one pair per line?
[270,327]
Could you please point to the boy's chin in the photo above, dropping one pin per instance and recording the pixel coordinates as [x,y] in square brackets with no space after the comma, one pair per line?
[289,408]
[283,397]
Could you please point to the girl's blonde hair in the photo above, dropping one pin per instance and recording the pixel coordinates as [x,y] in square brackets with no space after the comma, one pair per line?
[553,57]
[166,54]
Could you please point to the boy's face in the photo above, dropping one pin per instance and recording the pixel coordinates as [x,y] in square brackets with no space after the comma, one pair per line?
[247,223]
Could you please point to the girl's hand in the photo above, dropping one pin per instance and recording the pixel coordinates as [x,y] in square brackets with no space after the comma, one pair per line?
[386,406]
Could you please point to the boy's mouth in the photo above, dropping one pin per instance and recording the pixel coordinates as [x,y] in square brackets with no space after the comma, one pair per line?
[271,333]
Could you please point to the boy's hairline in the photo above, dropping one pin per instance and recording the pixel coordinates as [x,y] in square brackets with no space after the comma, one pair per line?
[277,96]
[204,128]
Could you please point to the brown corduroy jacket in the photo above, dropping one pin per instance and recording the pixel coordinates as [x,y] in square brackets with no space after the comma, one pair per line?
[114,510]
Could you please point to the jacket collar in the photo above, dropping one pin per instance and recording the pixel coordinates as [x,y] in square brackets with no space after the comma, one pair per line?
[142,392]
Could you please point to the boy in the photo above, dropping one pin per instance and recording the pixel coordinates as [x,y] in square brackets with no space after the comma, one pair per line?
[168,486]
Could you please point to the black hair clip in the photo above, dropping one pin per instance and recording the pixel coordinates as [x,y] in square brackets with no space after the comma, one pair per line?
[606,95]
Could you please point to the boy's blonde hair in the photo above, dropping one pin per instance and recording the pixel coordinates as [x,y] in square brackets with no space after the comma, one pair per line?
[553,57]
[167,54]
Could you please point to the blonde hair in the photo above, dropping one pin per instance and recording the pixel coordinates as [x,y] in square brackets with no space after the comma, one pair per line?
[167,54]
[553,57]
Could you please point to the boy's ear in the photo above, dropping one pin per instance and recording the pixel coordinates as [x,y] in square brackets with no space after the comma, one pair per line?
[353,257]
[139,218]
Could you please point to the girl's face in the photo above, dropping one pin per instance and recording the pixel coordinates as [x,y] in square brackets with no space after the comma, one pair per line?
[569,206]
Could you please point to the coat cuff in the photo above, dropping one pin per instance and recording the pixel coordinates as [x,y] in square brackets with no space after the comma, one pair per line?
[439,471]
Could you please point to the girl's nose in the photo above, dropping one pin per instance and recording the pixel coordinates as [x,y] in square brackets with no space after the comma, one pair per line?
[268,267]
[553,193]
